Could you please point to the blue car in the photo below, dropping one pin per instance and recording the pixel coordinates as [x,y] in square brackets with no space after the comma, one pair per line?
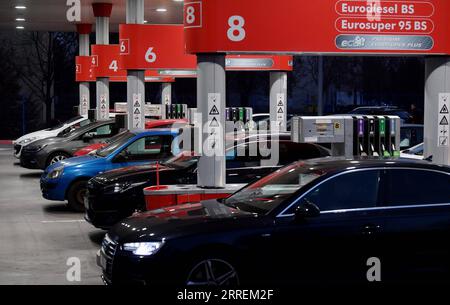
[67,180]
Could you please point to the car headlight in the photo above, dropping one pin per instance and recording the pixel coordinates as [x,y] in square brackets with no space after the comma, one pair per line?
[56,173]
[36,148]
[28,140]
[143,249]
[121,187]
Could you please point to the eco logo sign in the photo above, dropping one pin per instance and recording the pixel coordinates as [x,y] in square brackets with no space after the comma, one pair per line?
[74,11]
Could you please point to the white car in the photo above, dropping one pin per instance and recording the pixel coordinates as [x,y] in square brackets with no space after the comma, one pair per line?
[60,129]
[415,152]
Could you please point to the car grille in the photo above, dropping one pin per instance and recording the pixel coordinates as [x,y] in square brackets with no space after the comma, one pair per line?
[17,149]
[109,248]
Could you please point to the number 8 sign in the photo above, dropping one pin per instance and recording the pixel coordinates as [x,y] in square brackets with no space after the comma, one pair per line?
[193,15]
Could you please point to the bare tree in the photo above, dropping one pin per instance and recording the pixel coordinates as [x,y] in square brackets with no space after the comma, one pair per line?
[43,54]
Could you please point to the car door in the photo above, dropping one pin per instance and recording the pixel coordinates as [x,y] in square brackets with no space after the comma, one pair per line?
[154,148]
[335,246]
[417,214]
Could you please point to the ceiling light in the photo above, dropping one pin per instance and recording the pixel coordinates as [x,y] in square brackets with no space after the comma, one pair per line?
[20,27]
[178,0]
[161,10]
[21,7]
[20,19]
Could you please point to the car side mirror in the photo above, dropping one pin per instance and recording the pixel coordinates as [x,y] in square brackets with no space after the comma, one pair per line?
[87,138]
[306,210]
[122,157]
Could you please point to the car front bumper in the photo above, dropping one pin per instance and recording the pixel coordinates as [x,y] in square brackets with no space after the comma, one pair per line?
[105,210]
[53,189]
[32,160]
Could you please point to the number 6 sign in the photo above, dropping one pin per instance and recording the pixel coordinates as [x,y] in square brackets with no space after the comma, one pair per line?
[154,47]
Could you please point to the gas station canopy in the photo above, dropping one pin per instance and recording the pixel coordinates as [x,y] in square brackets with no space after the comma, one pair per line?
[50,15]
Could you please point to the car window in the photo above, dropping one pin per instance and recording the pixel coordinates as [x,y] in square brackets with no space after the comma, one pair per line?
[416,187]
[104,131]
[348,191]
[148,148]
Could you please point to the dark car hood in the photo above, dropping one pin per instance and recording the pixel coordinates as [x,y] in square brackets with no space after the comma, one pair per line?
[176,221]
[47,141]
[130,173]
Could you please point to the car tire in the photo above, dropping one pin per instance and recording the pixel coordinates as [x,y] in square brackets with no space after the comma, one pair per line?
[212,271]
[75,196]
[56,157]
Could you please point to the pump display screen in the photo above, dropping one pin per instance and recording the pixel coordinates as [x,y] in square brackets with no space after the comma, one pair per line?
[325,129]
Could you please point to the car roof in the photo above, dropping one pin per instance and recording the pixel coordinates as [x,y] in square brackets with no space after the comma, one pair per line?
[156,131]
[331,164]
[92,125]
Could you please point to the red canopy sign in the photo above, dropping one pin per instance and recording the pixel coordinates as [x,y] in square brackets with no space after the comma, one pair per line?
[83,71]
[321,26]
[105,62]
[144,47]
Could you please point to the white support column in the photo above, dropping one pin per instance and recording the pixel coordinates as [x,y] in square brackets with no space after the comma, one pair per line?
[211,101]
[166,97]
[84,50]
[135,78]
[278,99]
[102,12]
[437,101]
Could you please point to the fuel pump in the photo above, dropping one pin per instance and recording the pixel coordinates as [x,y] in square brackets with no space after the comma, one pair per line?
[393,124]
[370,122]
[359,145]
[383,146]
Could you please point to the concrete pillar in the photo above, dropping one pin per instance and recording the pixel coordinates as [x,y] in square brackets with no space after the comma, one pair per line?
[211,101]
[135,78]
[166,97]
[84,50]
[437,94]
[278,99]
[102,12]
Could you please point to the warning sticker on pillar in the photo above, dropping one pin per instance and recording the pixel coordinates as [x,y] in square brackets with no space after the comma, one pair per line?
[281,107]
[334,26]
[137,111]
[444,120]
[145,47]
[214,126]
[84,105]
[103,107]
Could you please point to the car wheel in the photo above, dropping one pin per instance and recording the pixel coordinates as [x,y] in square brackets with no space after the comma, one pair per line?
[75,196]
[56,157]
[213,272]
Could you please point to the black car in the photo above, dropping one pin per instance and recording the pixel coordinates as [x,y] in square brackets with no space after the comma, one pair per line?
[404,115]
[316,222]
[42,153]
[115,195]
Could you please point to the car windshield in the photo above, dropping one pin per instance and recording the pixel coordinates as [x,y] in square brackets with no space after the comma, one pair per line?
[267,193]
[182,160]
[65,123]
[124,137]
